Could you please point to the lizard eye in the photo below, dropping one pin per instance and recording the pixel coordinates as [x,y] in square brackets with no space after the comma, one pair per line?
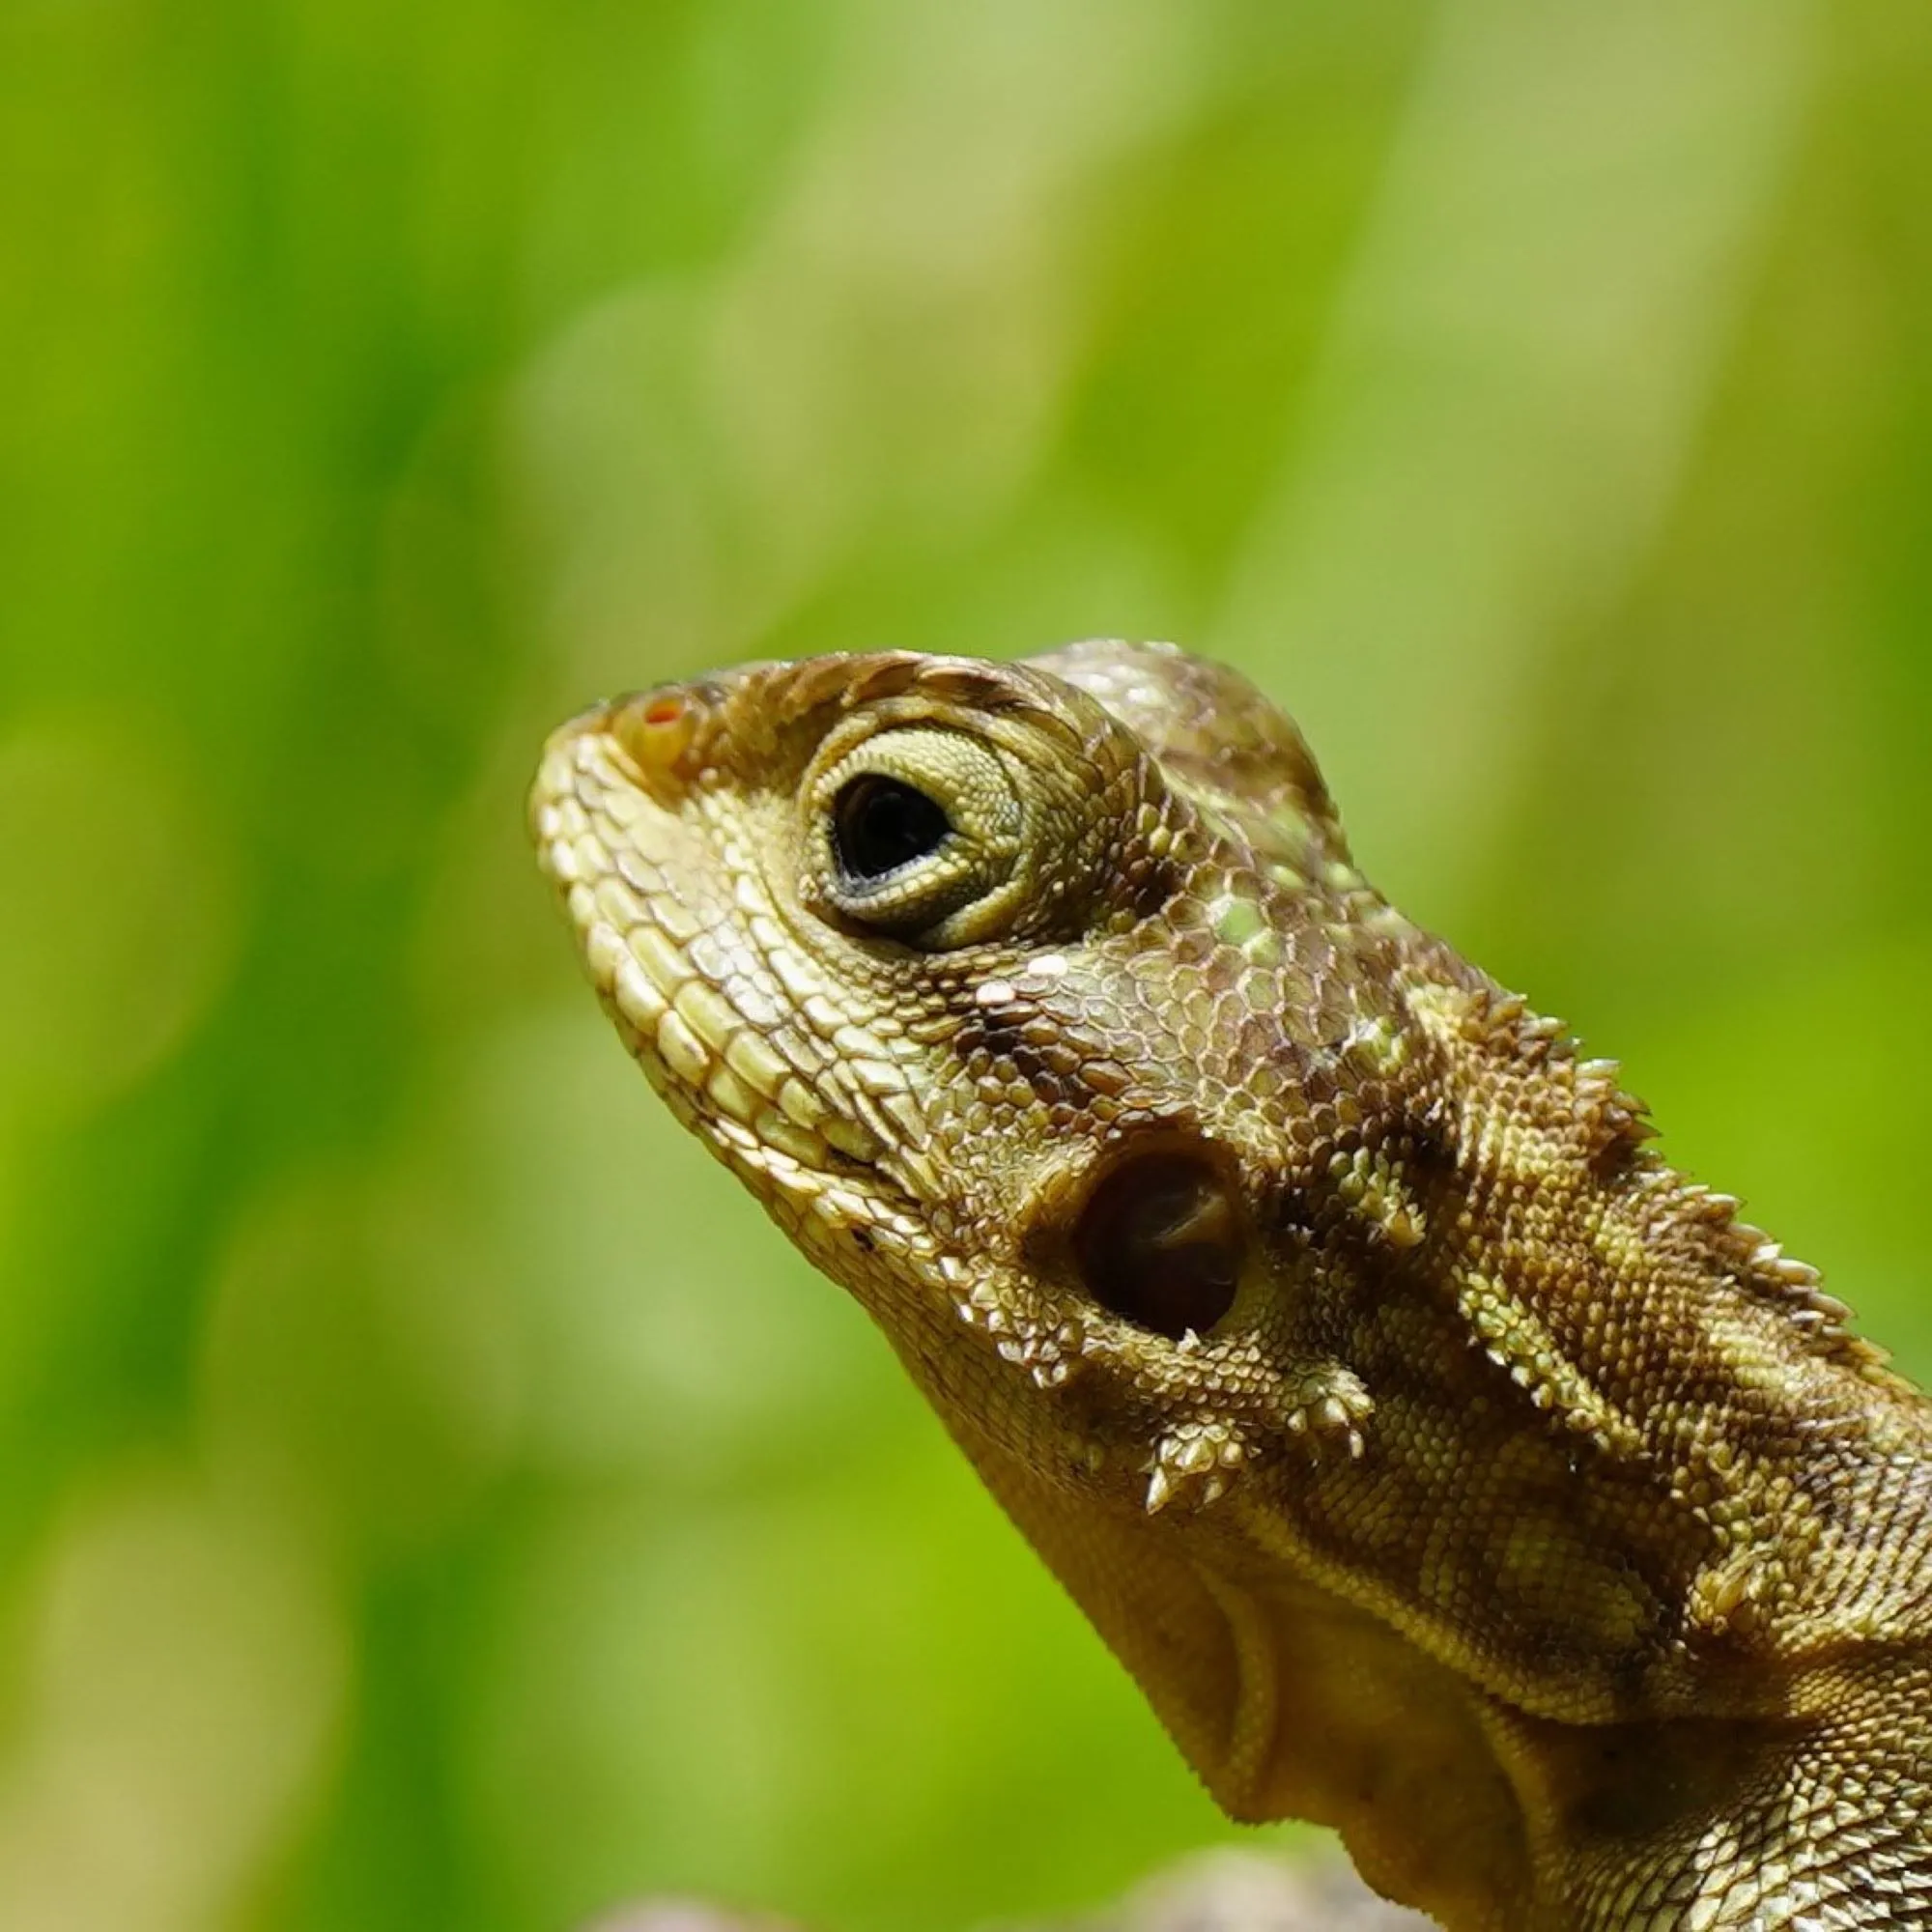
[915,833]
[879,824]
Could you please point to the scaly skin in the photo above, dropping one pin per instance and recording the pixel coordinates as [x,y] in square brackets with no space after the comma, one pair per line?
[1444,1466]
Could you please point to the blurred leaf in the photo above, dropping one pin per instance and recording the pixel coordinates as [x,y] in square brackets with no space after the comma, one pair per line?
[432,1494]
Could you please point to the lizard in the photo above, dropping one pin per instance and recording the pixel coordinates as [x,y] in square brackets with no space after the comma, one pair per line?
[1445,1467]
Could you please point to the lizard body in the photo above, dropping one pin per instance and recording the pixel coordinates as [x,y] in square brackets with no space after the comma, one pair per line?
[1444,1466]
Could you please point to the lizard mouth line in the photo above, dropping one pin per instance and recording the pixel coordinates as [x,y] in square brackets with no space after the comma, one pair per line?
[686,995]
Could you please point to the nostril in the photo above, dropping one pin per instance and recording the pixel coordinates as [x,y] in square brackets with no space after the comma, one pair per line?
[1160,1244]
[656,728]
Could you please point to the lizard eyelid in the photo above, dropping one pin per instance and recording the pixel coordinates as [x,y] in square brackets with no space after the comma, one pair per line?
[915,833]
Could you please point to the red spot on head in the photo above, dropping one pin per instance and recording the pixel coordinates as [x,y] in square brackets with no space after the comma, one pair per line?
[656,728]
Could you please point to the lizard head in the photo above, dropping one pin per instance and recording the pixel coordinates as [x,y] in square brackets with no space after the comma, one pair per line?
[1010,1021]
[796,888]
[1282,1277]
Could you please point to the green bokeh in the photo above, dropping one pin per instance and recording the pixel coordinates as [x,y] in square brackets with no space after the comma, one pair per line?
[431,1496]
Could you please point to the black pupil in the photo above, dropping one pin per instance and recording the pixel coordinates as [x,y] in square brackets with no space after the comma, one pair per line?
[879,824]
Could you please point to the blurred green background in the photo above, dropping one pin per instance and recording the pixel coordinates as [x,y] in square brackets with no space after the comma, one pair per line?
[431,1495]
